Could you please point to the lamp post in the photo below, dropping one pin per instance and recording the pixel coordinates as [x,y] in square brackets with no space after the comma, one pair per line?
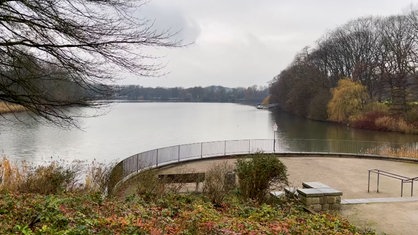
[275,127]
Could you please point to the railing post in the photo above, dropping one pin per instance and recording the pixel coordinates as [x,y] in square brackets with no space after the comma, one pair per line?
[274,144]
[137,162]
[368,183]
[401,188]
[156,159]
[201,149]
[412,187]
[178,153]
[378,175]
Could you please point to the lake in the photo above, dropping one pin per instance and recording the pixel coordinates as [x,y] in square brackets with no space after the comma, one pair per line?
[124,129]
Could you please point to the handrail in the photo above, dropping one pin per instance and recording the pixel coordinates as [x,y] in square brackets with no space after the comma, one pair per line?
[403,179]
[204,150]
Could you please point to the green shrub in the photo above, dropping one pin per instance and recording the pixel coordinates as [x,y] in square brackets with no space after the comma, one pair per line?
[258,174]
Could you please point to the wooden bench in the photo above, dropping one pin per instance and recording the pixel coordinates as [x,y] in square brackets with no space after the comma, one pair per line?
[183,178]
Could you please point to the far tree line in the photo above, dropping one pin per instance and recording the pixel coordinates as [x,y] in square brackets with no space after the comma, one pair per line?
[377,53]
[253,94]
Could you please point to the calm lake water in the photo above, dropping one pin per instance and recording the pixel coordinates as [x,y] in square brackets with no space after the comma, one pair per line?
[124,129]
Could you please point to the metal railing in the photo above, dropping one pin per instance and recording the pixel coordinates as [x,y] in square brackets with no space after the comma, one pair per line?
[181,153]
[403,179]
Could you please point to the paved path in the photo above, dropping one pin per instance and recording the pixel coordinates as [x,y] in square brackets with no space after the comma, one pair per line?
[378,200]
[349,175]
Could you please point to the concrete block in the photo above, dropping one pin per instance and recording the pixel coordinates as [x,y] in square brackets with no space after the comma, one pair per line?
[314,185]
[330,191]
[313,200]
[335,206]
[338,200]
[331,199]
[316,207]
[310,192]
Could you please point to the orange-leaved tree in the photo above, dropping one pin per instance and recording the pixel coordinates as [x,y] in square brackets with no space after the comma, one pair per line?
[348,99]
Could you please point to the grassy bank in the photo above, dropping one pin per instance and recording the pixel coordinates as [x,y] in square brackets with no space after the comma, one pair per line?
[10,108]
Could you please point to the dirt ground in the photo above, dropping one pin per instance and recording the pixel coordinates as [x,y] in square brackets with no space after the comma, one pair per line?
[349,175]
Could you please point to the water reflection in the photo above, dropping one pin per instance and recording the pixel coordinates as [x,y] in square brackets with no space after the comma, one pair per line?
[293,127]
[130,128]
[332,137]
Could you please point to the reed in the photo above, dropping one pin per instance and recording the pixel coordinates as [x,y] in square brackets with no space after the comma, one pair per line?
[403,151]
[53,177]
[6,107]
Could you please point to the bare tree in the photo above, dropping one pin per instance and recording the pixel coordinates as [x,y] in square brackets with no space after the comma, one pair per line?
[398,58]
[80,41]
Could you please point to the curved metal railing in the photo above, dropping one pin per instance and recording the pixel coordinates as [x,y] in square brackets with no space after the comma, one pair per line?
[186,152]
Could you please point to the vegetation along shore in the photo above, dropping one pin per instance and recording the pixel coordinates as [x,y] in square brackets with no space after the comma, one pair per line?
[50,199]
[362,74]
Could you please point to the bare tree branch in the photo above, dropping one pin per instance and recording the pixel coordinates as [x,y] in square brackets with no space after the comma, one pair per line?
[80,41]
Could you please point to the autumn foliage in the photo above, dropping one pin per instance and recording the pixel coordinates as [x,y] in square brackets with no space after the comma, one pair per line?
[348,99]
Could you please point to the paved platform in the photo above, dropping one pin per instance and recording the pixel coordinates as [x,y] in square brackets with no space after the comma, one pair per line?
[383,211]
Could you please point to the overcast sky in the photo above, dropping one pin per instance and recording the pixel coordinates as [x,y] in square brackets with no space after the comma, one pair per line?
[240,43]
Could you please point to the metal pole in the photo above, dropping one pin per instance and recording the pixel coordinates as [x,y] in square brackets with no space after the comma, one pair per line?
[178,153]
[368,183]
[156,159]
[412,188]
[201,150]
[274,141]
[401,188]
[378,176]
[137,163]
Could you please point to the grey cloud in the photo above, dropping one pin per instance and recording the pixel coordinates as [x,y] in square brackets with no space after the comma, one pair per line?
[171,18]
[247,42]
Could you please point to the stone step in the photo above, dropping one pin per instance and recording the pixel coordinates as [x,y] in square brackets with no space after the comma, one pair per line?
[378,200]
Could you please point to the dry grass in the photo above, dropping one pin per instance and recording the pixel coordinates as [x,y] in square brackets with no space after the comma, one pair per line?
[11,176]
[396,124]
[403,151]
[10,108]
[216,188]
[54,177]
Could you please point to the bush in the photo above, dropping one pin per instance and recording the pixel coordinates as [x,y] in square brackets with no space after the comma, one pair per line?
[258,174]
[54,177]
[378,107]
[50,179]
[412,115]
[98,177]
[215,187]
[149,186]
[396,124]
[369,121]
